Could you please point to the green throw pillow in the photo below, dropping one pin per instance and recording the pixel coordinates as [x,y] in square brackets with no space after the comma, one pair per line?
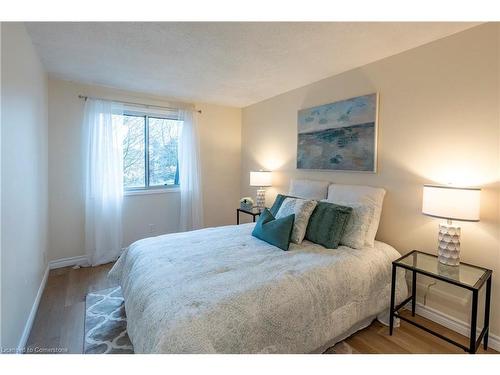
[277,232]
[327,224]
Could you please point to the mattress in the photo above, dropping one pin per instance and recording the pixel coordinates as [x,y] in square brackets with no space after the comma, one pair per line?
[221,290]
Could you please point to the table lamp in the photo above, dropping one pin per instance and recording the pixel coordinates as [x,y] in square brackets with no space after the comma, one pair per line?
[261,179]
[450,203]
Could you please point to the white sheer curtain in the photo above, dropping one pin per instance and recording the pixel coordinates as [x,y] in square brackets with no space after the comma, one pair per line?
[103,180]
[189,173]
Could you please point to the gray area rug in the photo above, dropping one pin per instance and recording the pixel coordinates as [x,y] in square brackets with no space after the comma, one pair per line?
[106,323]
[106,326]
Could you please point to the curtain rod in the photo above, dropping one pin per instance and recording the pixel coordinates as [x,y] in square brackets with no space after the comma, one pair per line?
[132,103]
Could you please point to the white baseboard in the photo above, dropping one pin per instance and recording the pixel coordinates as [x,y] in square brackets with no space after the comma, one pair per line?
[80,260]
[453,323]
[68,262]
[31,318]
[58,263]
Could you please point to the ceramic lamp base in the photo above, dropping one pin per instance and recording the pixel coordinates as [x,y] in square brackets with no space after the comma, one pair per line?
[261,198]
[451,272]
[449,245]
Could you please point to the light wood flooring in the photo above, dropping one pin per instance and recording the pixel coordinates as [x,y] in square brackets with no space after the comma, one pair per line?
[59,322]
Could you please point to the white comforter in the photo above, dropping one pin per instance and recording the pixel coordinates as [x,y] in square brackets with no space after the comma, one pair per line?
[220,290]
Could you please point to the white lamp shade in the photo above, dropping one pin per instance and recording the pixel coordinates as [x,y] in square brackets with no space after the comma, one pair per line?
[261,178]
[452,203]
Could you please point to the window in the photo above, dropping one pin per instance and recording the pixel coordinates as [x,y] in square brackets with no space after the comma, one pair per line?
[150,146]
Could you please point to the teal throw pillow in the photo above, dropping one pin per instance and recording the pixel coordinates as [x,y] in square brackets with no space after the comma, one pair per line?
[274,231]
[327,224]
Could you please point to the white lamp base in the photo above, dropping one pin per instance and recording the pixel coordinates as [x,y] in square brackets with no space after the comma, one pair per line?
[261,198]
[451,272]
[449,244]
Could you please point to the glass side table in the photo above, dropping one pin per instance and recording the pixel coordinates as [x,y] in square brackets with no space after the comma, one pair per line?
[254,211]
[465,275]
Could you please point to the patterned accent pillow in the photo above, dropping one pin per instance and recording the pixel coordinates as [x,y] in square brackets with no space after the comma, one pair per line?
[358,194]
[302,209]
[357,226]
[277,203]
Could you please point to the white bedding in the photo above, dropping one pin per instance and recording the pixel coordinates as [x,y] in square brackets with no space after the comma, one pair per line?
[220,290]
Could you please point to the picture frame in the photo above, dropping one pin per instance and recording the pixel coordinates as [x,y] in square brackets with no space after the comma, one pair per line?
[339,136]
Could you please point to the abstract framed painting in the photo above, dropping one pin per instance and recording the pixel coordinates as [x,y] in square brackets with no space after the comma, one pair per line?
[340,136]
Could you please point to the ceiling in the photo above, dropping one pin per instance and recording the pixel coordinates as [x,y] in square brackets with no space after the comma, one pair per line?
[234,64]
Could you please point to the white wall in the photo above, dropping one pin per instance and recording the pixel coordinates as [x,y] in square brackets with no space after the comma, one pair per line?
[1,320]
[220,134]
[24,180]
[220,129]
[438,123]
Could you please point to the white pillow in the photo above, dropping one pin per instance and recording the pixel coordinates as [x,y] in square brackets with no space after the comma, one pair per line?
[302,209]
[348,195]
[357,227]
[308,189]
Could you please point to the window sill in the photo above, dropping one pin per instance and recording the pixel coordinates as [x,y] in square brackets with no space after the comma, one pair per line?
[127,193]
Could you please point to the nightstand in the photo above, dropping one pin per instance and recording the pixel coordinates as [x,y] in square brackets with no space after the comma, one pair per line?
[464,275]
[254,211]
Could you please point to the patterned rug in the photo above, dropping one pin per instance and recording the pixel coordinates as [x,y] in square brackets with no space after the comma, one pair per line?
[106,326]
[106,323]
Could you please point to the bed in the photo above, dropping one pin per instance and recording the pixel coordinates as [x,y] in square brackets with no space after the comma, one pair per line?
[220,290]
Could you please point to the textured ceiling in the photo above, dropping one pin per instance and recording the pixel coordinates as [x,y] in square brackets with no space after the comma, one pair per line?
[226,63]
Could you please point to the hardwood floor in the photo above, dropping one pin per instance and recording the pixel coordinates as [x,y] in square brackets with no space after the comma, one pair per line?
[59,322]
[408,339]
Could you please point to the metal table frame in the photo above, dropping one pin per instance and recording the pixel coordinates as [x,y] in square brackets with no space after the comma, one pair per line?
[485,278]
[253,212]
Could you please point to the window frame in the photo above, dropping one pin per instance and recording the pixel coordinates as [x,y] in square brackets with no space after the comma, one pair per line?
[147,189]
